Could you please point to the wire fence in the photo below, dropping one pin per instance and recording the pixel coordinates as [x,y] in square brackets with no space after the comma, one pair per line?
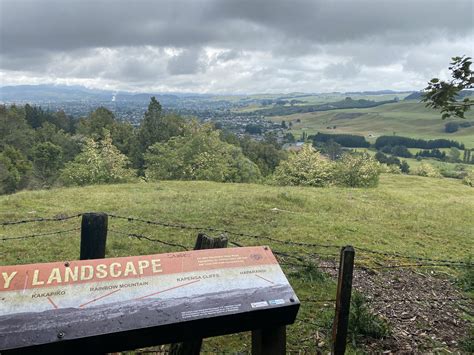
[303,256]
[297,255]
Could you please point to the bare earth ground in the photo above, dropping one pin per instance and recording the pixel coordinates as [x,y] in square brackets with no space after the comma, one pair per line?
[422,308]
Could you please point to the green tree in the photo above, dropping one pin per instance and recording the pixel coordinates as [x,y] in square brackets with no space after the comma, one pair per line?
[404,167]
[70,145]
[14,130]
[99,162]
[47,159]
[93,125]
[454,155]
[199,155]
[444,95]
[155,127]
[14,170]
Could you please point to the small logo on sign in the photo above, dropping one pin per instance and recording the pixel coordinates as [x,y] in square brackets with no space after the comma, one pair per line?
[259,304]
[276,302]
[255,256]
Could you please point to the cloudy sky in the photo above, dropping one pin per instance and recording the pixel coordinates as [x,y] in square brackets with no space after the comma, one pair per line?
[233,46]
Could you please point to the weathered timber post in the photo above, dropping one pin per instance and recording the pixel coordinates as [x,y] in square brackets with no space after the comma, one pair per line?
[193,347]
[93,235]
[269,341]
[343,300]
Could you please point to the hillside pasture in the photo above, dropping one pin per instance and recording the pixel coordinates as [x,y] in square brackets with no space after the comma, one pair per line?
[404,118]
[415,216]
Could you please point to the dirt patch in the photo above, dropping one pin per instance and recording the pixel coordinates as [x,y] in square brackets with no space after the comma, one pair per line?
[425,311]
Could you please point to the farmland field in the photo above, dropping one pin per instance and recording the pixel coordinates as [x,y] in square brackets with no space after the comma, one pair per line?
[405,118]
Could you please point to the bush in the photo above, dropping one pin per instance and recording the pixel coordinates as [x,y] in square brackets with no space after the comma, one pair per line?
[199,155]
[363,323]
[357,171]
[99,162]
[404,167]
[469,179]
[427,170]
[306,168]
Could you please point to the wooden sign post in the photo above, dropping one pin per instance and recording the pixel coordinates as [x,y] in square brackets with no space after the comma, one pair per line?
[125,303]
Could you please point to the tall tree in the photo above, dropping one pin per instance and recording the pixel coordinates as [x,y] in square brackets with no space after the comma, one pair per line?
[150,127]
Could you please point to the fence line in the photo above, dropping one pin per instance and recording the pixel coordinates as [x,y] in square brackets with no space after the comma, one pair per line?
[41,219]
[440,262]
[150,239]
[4,238]
[303,259]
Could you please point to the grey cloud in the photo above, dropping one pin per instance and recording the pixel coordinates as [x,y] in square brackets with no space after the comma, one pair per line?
[342,70]
[187,62]
[305,45]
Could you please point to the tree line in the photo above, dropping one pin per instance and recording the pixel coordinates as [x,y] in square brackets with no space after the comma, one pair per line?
[40,149]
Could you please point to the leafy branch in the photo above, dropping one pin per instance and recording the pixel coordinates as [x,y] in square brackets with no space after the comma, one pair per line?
[444,95]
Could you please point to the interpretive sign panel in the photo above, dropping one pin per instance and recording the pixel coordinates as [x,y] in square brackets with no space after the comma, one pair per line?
[68,301]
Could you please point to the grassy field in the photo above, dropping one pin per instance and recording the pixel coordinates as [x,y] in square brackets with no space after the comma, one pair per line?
[405,118]
[406,214]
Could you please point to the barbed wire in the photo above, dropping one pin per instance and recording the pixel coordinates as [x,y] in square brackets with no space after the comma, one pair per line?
[219,230]
[394,254]
[41,219]
[150,239]
[287,242]
[4,238]
[440,262]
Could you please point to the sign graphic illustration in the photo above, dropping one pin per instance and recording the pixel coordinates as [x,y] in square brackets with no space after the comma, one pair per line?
[90,298]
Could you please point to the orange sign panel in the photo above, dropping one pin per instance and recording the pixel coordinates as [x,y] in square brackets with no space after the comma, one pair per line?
[131,284]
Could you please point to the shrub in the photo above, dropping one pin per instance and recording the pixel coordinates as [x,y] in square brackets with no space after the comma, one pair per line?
[404,167]
[427,170]
[469,179]
[359,170]
[363,323]
[306,168]
[99,162]
[199,155]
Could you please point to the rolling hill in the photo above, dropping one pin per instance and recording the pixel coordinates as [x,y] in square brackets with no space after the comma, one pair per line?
[404,118]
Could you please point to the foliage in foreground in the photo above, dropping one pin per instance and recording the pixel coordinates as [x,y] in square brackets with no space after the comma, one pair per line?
[99,162]
[309,168]
[199,155]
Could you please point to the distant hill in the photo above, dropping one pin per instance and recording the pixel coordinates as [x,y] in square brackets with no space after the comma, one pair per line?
[418,95]
[66,93]
[22,93]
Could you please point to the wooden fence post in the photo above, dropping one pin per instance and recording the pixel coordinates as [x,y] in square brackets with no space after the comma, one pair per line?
[269,341]
[203,241]
[93,235]
[343,300]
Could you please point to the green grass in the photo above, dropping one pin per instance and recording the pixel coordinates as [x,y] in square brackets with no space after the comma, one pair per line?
[405,118]
[406,214]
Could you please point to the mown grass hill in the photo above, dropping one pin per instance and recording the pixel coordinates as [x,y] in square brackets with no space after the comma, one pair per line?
[410,215]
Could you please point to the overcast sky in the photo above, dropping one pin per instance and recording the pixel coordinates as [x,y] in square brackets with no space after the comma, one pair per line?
[238,46]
